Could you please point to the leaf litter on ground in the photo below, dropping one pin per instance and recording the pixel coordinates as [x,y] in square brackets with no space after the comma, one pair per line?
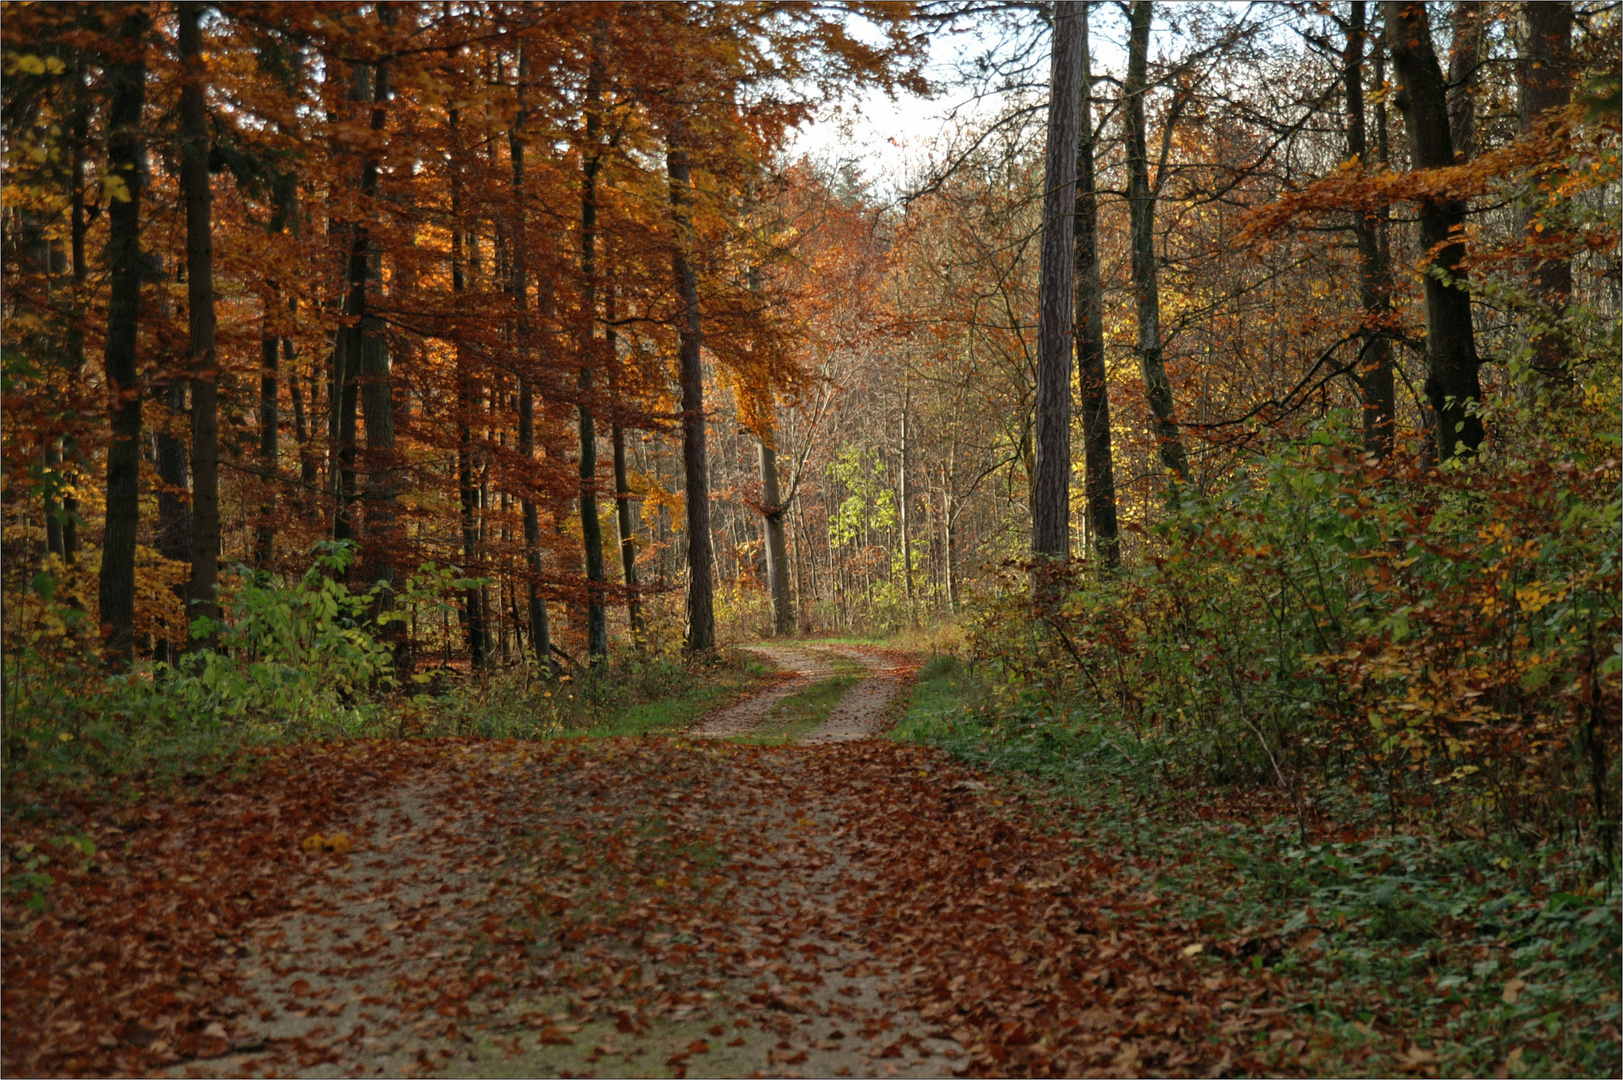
[621,906]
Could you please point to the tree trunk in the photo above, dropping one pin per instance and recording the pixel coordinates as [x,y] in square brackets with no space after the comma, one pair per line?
[597,630]
[350,356]
[271,344]
[904,514]
[700,638]
[203,586]
[1544,82]
[125,150]
[1452,385]
[473,608]
[1100,474]
[777,549]
[1465,23]
[535,602]
[1051,482]
[1141,228]
[81,272]
[622,485]
[1375,274]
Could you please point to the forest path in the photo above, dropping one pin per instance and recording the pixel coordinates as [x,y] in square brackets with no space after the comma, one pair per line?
[860,714]
[610,907]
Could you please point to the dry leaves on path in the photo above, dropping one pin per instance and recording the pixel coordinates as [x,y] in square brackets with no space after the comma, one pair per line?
[616,906]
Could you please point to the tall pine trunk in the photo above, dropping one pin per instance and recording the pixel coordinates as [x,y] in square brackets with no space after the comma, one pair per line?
[1051,482]
[700,637]
[1375,273]
[1098,463]
[1141,232]
[1452,385]
[126,73]
[203,585]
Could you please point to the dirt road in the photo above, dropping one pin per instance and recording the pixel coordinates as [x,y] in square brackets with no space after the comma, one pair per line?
[654,906]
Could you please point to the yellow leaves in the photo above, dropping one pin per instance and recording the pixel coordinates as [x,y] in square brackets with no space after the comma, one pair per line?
[1535,597]
[29,64]
[1513,990]
[115,187]
[338,843]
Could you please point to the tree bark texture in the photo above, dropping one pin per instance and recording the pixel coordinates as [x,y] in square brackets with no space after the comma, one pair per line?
[203,586]
[1465,24]
[1051,482]
[1141,238]
[126,74]
[1452,385]
[1544,82]
[1375,273]
[700,639]
[1099,476]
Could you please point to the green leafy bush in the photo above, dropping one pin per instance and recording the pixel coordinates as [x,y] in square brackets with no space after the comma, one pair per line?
[302,659]
[1444,641]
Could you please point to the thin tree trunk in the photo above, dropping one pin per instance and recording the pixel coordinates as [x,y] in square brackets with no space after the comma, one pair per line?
[1375,274]
[904,509]
[1098,462]
[81,272]
[1141,228]
[535,602]
[1452,385]
[1051,482]
[777,557]
[350,353]
[473,614]
[1544,82]
[203,586]
[622,486]
[125,150]
[597,630]
[700,637]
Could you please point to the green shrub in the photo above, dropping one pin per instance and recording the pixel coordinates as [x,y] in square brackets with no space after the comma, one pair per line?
[1442,641]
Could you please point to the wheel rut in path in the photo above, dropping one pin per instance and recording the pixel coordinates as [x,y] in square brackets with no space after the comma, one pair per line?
[860,714]
[804,667]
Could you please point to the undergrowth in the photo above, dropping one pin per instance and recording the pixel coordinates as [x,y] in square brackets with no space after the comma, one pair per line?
[1405,950]
[307,660]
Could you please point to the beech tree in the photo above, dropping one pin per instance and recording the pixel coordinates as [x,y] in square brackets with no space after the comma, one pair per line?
[1452,385]
[1141,196]
[126,147]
